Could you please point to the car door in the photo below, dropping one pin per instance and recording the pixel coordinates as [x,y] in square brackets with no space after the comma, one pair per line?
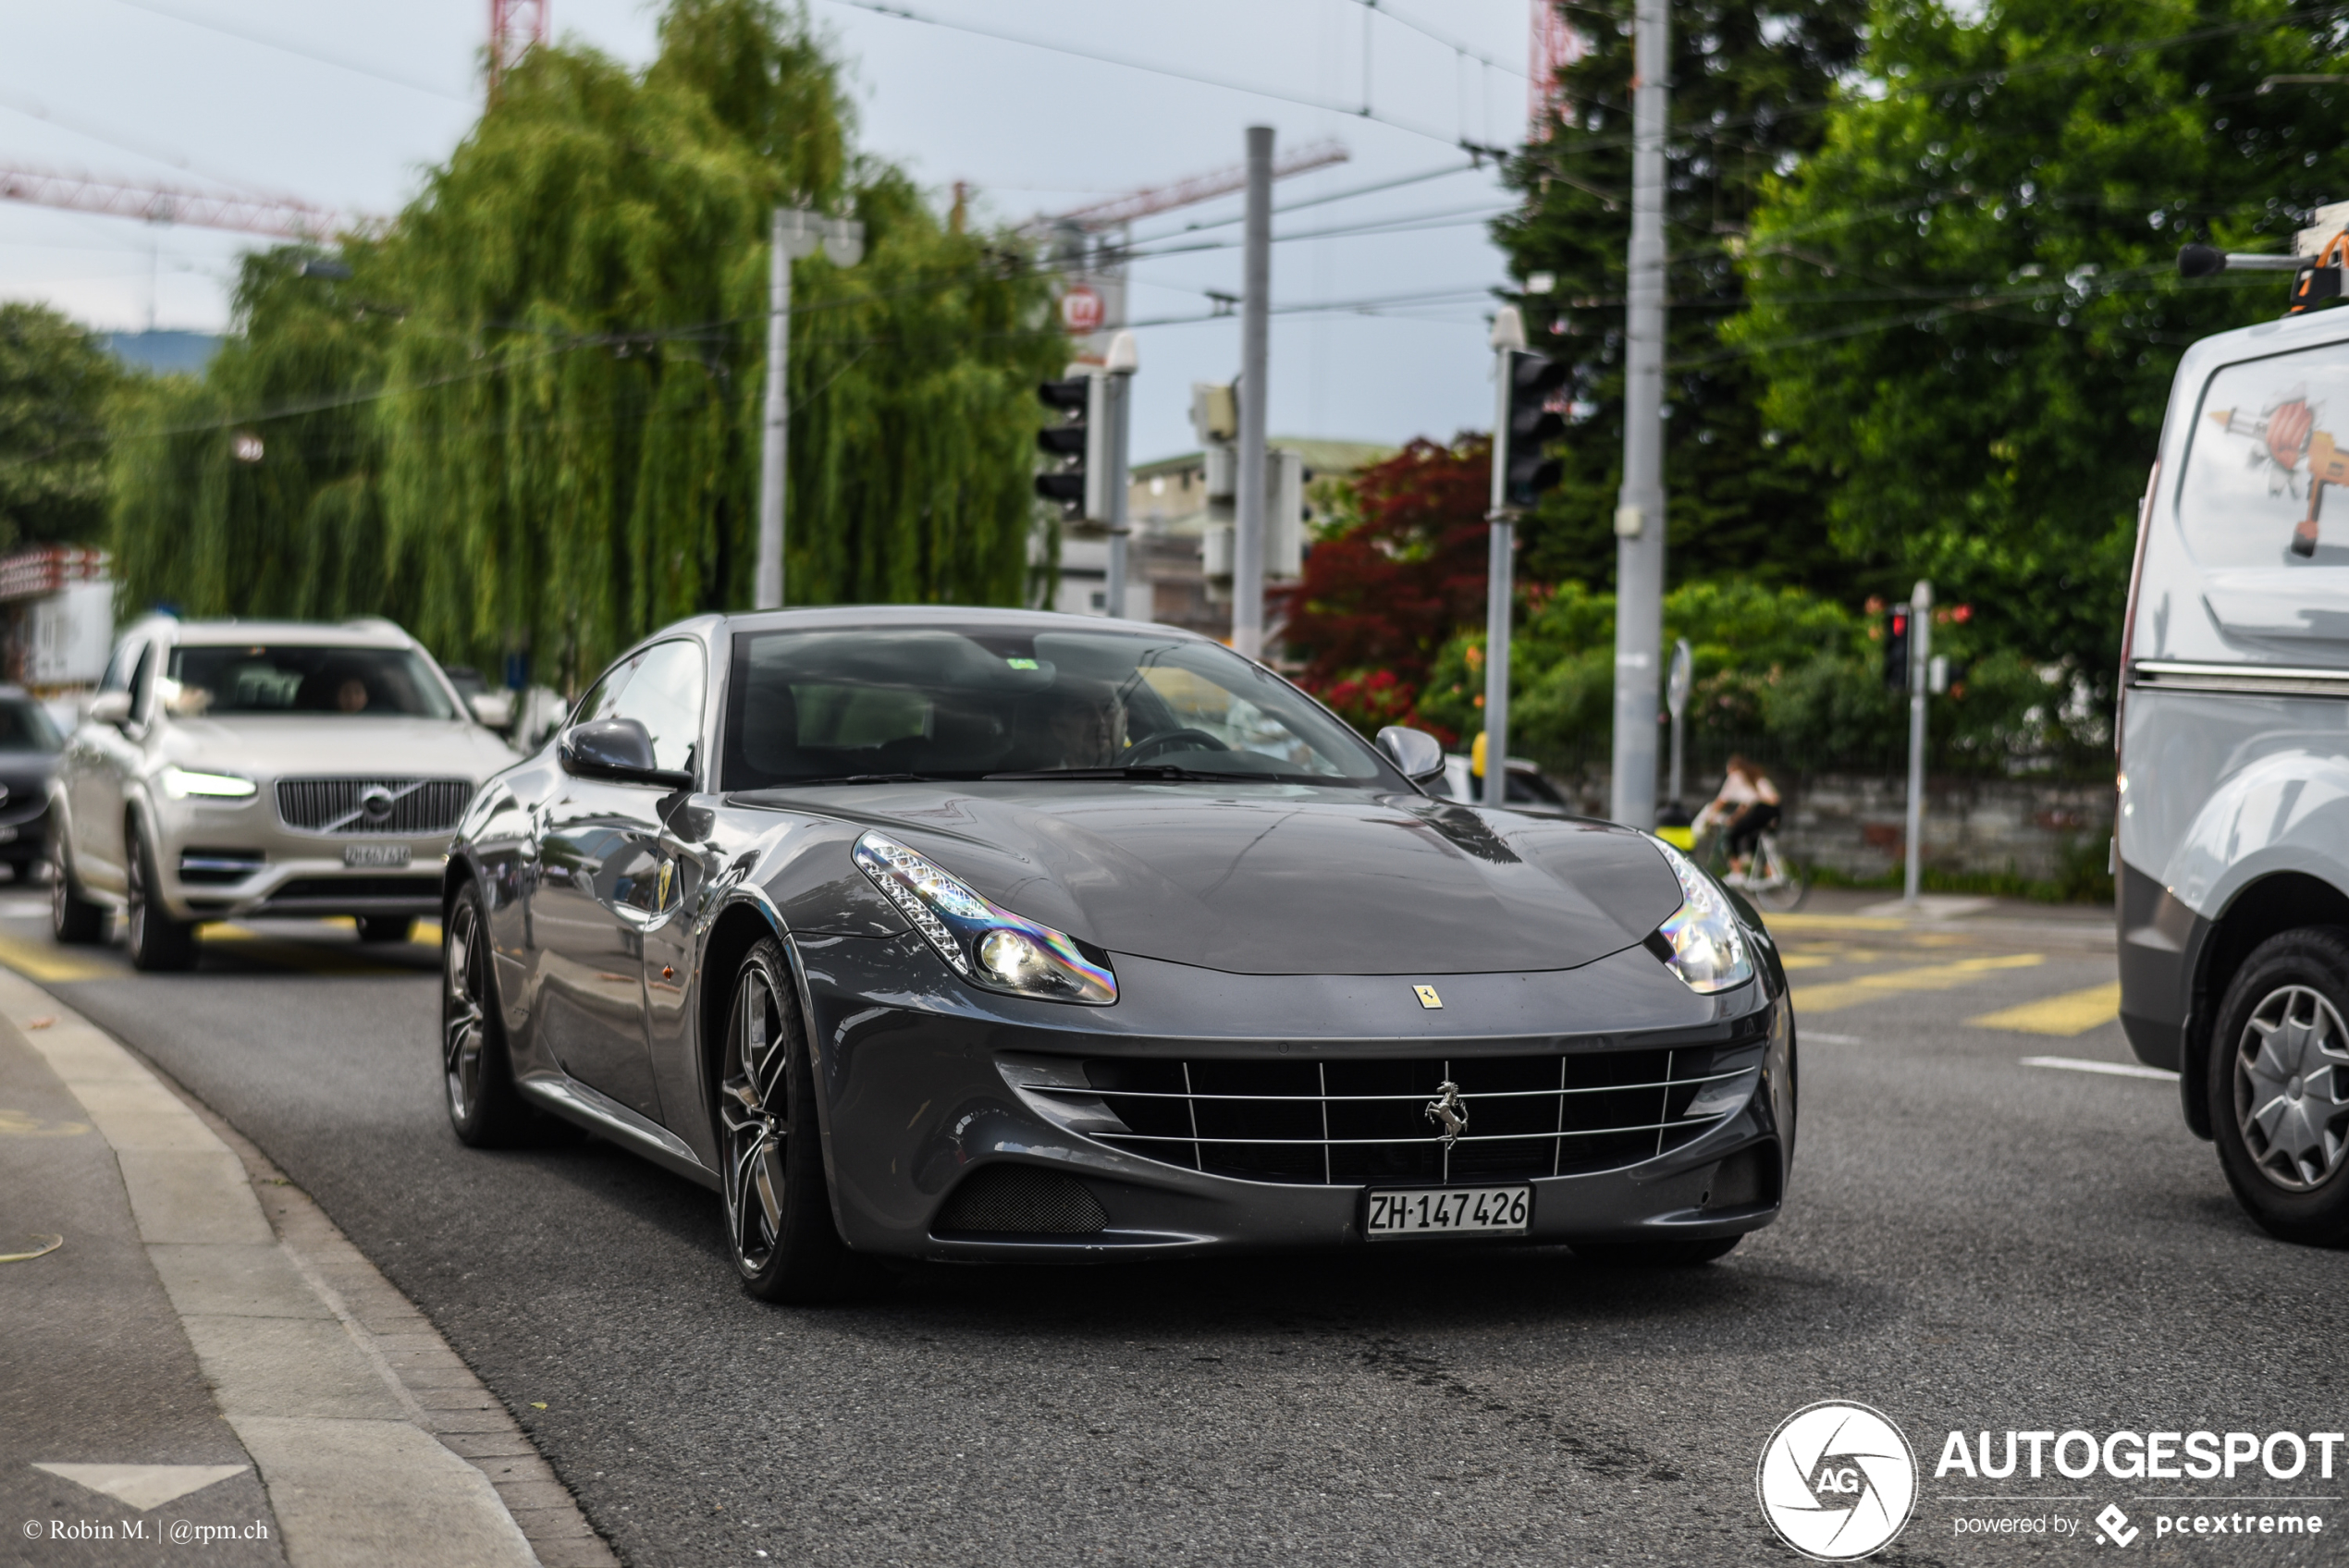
[103,758]
[599,883]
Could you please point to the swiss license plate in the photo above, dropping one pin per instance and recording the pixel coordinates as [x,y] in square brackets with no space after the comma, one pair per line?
[1444,1211]
[374,854]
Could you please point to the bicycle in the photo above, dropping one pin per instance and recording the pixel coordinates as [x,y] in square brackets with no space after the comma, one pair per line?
[1770,878]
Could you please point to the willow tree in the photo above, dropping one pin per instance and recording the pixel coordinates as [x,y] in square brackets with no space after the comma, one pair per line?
[529,417]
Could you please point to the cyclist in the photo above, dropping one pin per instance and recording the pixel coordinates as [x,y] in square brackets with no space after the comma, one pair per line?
[1748,806]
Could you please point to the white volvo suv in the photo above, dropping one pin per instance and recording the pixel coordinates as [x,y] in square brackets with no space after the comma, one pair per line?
[236,768]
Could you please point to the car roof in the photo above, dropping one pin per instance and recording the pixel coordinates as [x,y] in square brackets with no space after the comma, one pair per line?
[313,633]
[834,616]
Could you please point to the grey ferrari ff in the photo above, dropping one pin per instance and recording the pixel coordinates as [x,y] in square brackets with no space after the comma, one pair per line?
[980,934]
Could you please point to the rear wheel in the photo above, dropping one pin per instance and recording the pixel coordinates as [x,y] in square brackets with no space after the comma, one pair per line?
[778,1212]
[386,927]
[1774,881]
[2279,1085]
[73,919]
[157,941]
[1656,1255]
[485,1106]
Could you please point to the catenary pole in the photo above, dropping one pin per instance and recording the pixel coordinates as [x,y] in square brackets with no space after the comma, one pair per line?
[1920,658]
[1500,570]
[770,586]
[1256,283]
[1639,515]
[1119,366]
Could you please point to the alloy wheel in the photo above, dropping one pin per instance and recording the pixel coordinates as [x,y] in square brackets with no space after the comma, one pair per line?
[754,1105]
[463,1023]
[2292,1087]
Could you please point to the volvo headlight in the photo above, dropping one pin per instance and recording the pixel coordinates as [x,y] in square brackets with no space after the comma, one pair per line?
[985,945]
[1707,944]
[180,782]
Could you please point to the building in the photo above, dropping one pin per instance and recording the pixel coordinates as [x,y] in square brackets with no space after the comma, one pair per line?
[1166,507]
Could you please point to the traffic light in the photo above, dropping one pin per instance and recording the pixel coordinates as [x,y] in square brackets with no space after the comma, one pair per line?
[1896,648]
[1534,379]
[1079,443]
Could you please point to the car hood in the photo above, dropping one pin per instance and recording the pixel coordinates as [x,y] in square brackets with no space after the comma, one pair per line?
[1283,880]
[273,746]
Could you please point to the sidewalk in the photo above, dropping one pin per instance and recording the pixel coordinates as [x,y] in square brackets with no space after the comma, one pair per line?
[205,1370]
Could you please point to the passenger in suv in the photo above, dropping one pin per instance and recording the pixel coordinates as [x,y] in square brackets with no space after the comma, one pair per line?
[237,769]
[2232,849]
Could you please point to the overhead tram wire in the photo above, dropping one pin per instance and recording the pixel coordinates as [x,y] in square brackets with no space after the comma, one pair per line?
[206,25]
[1359,112]
[1346,195]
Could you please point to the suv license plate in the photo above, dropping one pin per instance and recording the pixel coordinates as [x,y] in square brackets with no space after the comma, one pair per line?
[1443,1211]
[374,854]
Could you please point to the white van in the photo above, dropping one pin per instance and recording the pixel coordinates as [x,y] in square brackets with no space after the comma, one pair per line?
[2232,850]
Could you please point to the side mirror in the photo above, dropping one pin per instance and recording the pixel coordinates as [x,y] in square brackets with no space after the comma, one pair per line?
[491,710]
[619,750]
[110,708]
[1417,756]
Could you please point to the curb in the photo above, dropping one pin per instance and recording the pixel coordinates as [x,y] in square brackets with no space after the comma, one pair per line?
[375,1441]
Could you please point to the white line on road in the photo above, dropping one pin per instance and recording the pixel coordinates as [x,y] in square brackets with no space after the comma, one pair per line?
[2113,1069]
[1833,1039]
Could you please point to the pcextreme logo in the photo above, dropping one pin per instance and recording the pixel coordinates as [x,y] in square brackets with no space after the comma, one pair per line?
[1837,1480]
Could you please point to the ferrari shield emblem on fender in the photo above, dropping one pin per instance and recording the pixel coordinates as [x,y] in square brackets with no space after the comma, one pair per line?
[1426,994]
[1447,1112]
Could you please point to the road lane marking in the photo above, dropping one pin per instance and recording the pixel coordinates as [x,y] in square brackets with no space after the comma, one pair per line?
[1930,978]
[2075,1012]
[1806,961]
[53,963]
[2110,1069]
[1831,923]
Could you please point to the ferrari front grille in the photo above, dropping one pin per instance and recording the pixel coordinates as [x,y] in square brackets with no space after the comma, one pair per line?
[1351,1121]
[398,806]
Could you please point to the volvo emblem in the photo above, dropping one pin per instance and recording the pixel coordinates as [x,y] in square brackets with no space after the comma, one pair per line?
[376,802]
[1449,1111]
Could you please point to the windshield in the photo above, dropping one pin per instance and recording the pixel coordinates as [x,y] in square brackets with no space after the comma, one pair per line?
[967,702]
[368,683]
[25,727]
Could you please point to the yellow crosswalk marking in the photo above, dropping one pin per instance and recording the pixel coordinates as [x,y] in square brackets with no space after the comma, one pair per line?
[2075,1012]
[1832,923]
[1806,961]
[37,961]
[1931,977]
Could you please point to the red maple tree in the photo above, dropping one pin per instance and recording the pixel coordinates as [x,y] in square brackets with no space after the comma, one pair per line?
[1377,602]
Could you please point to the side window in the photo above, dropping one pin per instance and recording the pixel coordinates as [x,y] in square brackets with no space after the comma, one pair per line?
[665,694]
[142,682]
[603,697]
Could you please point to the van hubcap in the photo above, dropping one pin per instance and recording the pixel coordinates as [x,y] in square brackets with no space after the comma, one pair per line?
[2292,1087]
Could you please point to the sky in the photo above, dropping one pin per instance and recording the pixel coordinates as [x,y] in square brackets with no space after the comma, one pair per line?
[344,103]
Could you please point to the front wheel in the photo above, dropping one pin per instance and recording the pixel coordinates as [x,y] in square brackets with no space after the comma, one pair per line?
[779,1214]
[157,941]
[2279,1085]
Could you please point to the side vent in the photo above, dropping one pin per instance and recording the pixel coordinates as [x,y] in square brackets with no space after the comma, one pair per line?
[1020,1199]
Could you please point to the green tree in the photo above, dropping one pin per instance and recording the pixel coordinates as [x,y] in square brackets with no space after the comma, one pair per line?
[530,415]
[1966,300]
[1743,79]
[55,380]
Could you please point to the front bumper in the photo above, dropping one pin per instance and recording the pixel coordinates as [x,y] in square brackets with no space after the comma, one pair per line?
[234,859]
[919,1078]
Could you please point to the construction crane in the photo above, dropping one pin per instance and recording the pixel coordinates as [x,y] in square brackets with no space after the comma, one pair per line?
[515,26]
[283,217]
[1150,200]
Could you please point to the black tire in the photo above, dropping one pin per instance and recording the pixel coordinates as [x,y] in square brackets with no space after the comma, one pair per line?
[386,927]
[477,1076]
[778,1211]
[74,920]
[1656,1255]
[2279,1085]
[158,943]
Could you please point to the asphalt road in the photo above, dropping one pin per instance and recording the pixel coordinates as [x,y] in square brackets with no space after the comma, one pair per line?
[1970,1244]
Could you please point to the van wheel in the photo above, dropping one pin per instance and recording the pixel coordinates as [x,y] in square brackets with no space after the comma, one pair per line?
[157,941]
[2279,1085]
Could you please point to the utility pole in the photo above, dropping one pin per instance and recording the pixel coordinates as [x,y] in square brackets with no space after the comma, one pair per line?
[1676,698]
[1920,680]
[1117,370]
[1256,283]
[797,233]
[1639,513]
[1500,587]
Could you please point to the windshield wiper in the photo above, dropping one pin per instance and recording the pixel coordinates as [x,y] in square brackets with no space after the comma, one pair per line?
[1158,770]
[857,778]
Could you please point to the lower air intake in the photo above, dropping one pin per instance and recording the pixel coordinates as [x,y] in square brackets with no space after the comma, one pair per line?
[1020,1199]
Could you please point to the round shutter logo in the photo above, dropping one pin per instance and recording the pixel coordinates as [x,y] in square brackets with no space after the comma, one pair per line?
[1837,1480]
[376,802]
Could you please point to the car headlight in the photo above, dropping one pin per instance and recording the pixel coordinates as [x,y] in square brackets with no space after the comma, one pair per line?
[1708,950]
[180,782]
[985,945]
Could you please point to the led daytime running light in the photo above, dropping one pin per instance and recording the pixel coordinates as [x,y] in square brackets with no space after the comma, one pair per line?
[983,943]
[179,783]
[1708,946]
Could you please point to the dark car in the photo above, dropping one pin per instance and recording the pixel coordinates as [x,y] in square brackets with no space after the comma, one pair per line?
[987,935]
[28,746]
